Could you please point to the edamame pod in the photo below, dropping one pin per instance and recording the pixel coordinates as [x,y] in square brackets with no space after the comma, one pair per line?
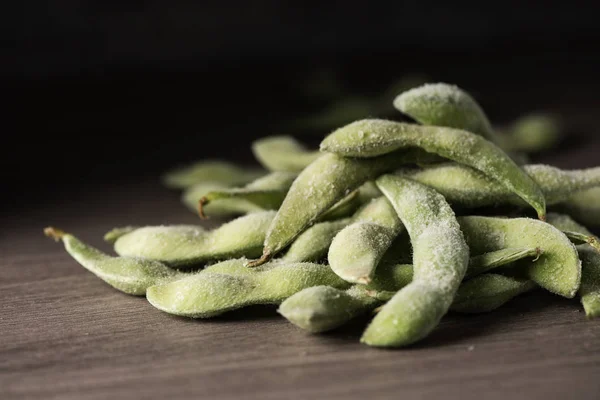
[283,153]
[319,186]
[532,133]
[357,249]
[557,268]
[467,187]
[207,293]
[185,245]
[266,193]
[222,208]
[369,138]
[584,206]
[210,171]
[440,257]
[441,104]
[312,244]
[129,275]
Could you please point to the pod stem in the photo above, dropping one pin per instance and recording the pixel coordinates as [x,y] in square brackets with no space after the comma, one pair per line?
[256,263]
[201,204]
[54,233]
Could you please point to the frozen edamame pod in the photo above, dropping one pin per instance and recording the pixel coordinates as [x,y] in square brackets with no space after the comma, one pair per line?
[468,187]
[590,281]
[441,104]
[210,171]
[187,245]
[266,193]
[584,206]
[312,244]
[369,138]
[283,153]
[576,232]
[357,249]
[557,268]
[489,291]
[223,208]
[129,275]
[440,257]
[319,186]
[207,293]
[322,308]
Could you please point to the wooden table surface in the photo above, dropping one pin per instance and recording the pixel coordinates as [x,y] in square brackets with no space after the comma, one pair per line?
[65,334]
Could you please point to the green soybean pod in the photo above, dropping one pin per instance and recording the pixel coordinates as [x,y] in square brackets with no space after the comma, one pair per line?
[283,153]
[222,208]
[487,292]
[369,138]
[129,275]
[185,245]
[357,249]
[584,206]
[442,104]
[322,308]
[532,133]
[590,281]
[557,269]
[468,187]
[440,257]
[312,244]
[318,187]
[207,293]
[266,193]
[210,171]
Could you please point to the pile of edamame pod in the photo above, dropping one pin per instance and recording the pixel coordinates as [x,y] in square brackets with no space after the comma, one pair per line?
[400,221]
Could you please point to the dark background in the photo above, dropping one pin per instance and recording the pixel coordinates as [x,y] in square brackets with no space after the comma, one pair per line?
[118,91]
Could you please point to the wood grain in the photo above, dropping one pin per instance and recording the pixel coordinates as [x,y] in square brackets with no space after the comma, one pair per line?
[67,335]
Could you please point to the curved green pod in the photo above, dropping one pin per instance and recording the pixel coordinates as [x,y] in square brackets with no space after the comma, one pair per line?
[223,208]
[357,249]
[557,268]
[442,104]
[208,293]
[322,308]
[283,153]
[265,193]
[584,206]
[210,171]
[370,138]
[185,245]
[312,244]
[468,187]
[440,257]
[319,186]
[129,275]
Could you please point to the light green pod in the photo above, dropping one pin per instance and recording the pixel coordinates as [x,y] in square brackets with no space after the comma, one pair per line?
[185,245]
[207,293]
[590,281]
[440,257]
[322,308]
[532,133]
[468,187]
[441,104]
[557,268]
[357,249]
[266,193]
[129,275]
[222,208]
[369,138]
[210,171]
[312,244]
[318,187]
[584,206]
[487,292]
[115,233]
[578,234]
[283,153]
[589,291]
